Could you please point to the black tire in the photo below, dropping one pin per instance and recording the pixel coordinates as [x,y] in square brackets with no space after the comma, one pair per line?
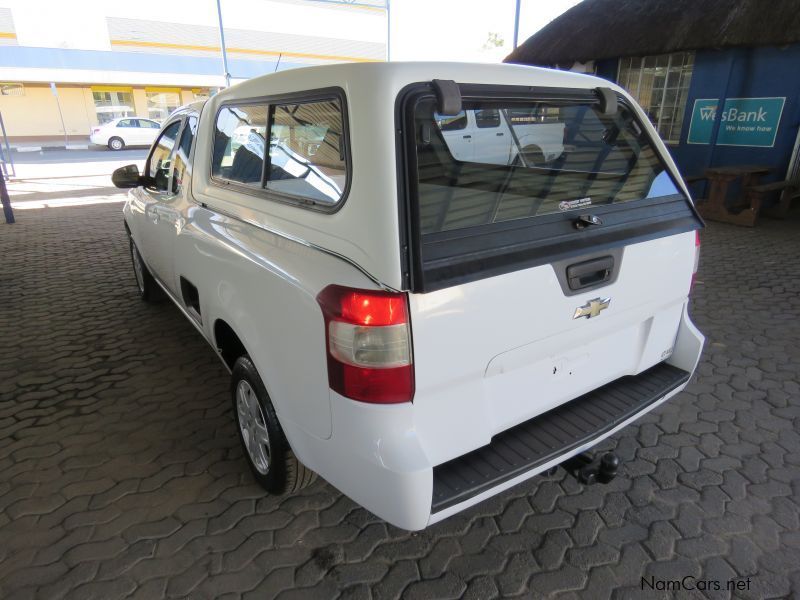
[149,290]
[534,156]
[116,143]
[282,473]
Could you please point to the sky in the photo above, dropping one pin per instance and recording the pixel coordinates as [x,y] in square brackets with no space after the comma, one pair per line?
[458,29]
[421,29]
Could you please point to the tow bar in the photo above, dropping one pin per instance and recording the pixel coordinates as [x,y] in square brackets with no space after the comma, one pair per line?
[590,470]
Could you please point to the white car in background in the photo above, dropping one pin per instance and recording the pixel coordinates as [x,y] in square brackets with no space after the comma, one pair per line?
[127,131]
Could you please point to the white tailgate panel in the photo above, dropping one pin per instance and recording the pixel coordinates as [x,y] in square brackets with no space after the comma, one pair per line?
[573,370]
[496,352]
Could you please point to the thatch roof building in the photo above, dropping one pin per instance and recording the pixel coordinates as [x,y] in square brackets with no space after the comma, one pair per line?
[719,79]
[600,29]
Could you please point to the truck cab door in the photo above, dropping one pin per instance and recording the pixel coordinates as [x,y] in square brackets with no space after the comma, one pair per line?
[457,134]
[177,210]
[157,219]
[134,133]
[491,139]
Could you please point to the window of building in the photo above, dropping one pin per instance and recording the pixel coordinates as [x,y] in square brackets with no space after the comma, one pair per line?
[239,144]
[532,115]
[201,94]
[661,85]
[161,103]
[306,151]
[112,103]
[12,89]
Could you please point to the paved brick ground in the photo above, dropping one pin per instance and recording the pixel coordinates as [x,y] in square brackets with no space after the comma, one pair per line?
[120,474]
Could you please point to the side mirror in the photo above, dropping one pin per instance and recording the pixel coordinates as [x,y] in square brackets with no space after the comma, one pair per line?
[127,177]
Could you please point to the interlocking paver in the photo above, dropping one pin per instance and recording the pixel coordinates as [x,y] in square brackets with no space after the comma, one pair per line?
[121,475]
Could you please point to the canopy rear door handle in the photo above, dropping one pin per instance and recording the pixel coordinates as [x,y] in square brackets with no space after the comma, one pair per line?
[590,272]
[584,221]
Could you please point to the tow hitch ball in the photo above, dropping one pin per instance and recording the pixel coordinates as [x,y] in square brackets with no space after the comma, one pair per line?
[589,470]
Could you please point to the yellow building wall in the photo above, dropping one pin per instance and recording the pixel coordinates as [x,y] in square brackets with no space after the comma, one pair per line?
[140,102]
[88,105]
[35,114]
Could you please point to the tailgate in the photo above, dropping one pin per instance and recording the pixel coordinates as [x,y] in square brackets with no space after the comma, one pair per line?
[537,277]
[512,342]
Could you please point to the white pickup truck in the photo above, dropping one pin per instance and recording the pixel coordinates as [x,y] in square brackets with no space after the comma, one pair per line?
[503,136]
[421,328]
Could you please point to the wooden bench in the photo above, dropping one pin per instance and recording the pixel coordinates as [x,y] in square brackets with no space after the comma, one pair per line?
[757,194]
[689,180]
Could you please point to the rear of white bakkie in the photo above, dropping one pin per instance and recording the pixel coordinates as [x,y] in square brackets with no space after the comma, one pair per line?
[544,301]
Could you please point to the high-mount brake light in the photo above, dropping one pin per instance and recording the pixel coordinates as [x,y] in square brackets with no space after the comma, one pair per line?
[368,344]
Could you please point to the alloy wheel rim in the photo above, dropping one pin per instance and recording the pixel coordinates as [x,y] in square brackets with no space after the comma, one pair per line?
[253,426]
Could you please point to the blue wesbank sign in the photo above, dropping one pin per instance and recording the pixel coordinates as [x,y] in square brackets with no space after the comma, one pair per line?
[704,114]
[742,122]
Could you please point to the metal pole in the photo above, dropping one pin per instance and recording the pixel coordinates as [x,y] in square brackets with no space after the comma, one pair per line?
[60,114]
[222,44]
[7,211]
[516,24]
[388,32]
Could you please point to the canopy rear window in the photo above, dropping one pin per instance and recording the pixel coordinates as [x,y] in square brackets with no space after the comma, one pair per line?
[500,185]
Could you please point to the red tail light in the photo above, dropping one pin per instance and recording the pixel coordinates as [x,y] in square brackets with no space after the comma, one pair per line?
[368,344]
[696,256]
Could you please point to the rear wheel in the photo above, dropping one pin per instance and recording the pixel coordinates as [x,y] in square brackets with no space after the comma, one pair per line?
[532,155]
[147,286]
[116,143]
[271,460]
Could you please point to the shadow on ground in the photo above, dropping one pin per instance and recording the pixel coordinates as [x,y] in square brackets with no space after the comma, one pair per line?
[121,476]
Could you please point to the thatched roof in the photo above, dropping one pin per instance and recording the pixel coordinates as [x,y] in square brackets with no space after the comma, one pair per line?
[597,29]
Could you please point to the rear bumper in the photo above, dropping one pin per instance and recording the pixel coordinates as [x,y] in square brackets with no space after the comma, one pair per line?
[375,455]
[560,432]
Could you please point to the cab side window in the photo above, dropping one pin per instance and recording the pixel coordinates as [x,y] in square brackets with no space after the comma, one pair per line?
[181,170]
[454,123]
[488,117]
[158,165]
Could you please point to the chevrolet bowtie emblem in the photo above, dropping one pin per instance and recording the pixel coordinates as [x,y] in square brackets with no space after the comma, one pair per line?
[592,308]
